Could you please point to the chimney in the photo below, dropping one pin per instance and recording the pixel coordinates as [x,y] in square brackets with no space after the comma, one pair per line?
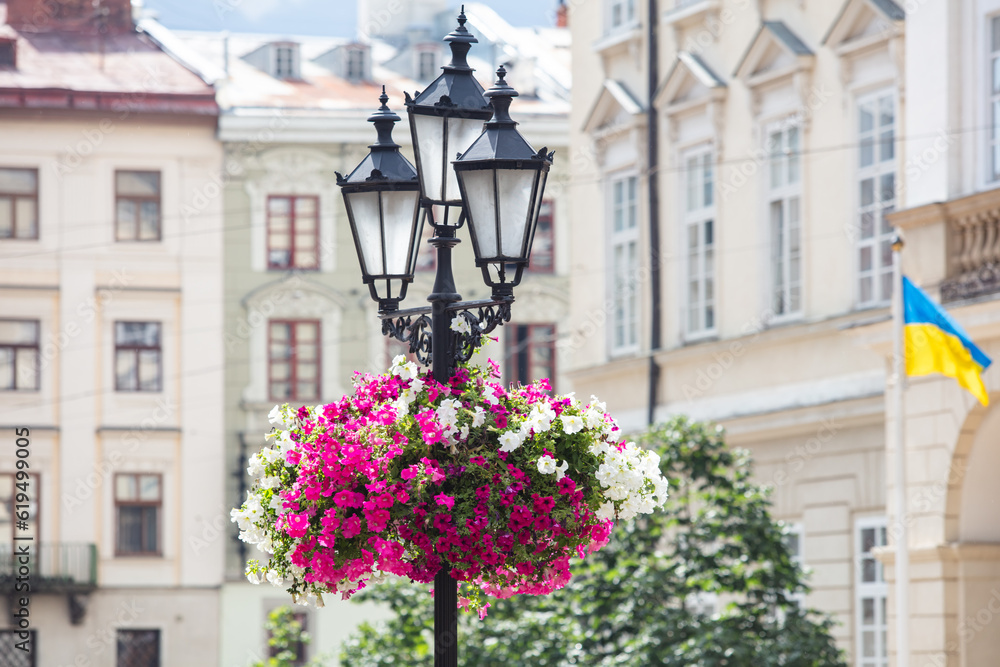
[86,16]
[562,15]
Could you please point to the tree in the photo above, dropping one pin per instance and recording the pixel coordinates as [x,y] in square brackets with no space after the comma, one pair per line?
[630,604]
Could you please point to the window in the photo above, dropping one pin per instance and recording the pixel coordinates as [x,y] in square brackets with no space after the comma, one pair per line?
[137,205]
[8,52]
[18,203]
[138,498]
[292,232]
[426,65]
[876,197]
[543,246]
[793,539]
[284,61]
[294,360]
[622,13]
[138,648]
[354,67]
[994,113]
[784,205]
[19,358]
[699,233]
[10,487]
[138,356]
[298,648]
[872,591]
[624,264]
[529,353]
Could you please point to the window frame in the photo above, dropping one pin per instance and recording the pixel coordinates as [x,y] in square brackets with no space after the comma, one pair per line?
[879,207]
[293,360]
[784,193]
[35,496]
[37,347]
[700,216]
[302,654]
[799,558]
[356,55]
[138,200]
[877,590]
[622,238]
[129,630]
[550,205]
[292,199]
[137,349]
[14,197]
[519,351]
[627,21]
[992,170]
[292,50]
[421,56]
[158,504]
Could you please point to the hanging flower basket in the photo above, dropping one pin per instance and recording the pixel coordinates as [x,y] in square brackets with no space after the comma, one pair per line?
[406,475]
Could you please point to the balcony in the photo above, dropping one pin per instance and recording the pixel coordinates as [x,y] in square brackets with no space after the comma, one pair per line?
[954,244]
[52,568]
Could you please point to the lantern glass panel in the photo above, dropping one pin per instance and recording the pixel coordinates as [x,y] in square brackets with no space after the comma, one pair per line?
[398,210]
[480,193]
[461,133]
[515,207]
[429,134]
[365,214]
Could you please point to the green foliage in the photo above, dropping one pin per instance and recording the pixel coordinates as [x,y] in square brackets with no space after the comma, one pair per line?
[285,638]
[630,603]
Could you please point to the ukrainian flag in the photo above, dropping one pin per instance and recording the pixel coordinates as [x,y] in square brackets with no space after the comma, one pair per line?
[936,343]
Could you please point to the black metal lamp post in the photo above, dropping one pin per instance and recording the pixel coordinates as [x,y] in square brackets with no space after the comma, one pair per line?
[497,182]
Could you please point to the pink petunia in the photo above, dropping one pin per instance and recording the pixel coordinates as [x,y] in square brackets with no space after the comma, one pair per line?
[445,500]
[351,526]
[296,525]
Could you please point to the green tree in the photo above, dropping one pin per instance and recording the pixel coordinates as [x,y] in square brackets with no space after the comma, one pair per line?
[630,604]
[286,639]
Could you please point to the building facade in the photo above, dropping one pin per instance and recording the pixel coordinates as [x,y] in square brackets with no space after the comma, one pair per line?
[747,162]
[298,320]
[110,344]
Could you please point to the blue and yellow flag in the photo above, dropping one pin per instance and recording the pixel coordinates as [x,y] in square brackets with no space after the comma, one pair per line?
[936,343]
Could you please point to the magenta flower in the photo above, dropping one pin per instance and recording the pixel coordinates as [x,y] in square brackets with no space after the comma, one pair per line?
[296,525]
[351,526]
[445,500]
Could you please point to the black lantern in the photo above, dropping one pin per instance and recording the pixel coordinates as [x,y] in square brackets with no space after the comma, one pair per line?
[445,119]
[502,178]
[382,196]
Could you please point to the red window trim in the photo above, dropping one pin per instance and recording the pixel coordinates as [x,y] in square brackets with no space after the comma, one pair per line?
[138,201]
[291,233]
[135,349]
[551,268]
[293,380]
[510,342]
[37,347]
[13,204]
[138,503]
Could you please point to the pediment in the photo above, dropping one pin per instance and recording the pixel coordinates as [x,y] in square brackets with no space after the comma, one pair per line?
[774,51]
[615,107]
[690,82]
[864,22]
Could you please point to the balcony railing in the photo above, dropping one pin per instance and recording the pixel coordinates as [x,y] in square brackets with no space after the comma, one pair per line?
[955,244]
[52,568]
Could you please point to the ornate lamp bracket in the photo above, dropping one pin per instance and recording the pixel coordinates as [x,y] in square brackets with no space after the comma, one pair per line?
[413,326]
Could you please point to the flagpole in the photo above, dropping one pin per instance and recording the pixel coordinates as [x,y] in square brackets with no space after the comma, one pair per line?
[899,488]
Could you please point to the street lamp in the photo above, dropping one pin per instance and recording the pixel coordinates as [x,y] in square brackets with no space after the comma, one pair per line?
[497,182]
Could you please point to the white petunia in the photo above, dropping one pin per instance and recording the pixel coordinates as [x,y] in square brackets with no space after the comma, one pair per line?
[606,511]
[510,441]
[278,417]
[461,325]
[571,424]
[546,465]
[478,417]
[561,470]
[270,482]
[256,467]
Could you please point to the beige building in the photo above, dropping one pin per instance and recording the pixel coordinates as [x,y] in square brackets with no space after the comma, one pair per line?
[298,320]
[772,141]
[110,344]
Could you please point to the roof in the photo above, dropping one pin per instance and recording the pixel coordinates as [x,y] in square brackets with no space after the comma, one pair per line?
[890,9]
[90,71]
[887,8]
[788,38]
[613,93]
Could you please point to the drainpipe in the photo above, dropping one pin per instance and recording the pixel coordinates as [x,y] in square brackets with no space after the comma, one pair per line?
[653,164]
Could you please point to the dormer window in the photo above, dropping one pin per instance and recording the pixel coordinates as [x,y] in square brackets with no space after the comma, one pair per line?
[622,14]
[8,53]
[285,60]
[427,64]
[356,63]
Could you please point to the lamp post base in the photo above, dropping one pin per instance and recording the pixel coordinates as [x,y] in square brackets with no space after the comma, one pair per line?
[445,620]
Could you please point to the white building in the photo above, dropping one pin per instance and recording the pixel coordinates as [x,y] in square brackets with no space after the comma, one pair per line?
[298,320]
[772,141]
[111,359]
